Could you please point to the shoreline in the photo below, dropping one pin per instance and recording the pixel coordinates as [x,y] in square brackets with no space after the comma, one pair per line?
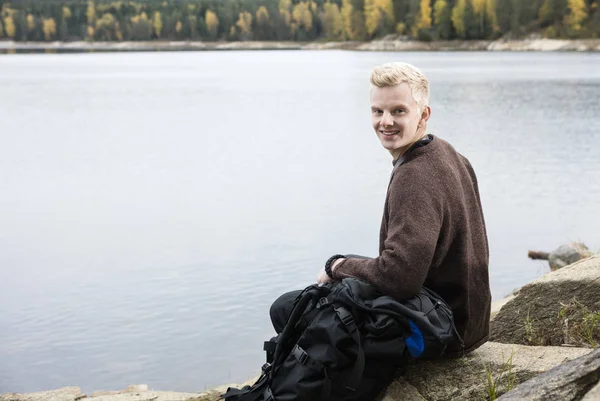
[385,44]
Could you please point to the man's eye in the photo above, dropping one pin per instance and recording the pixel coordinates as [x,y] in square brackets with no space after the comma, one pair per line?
[398,111]
[376,111]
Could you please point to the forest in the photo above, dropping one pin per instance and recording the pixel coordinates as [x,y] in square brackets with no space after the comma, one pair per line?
[295,20]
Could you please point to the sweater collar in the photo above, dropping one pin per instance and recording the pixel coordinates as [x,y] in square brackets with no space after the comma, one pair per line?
[426,140]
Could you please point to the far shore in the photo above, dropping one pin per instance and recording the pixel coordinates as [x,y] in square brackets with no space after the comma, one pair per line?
[386,44]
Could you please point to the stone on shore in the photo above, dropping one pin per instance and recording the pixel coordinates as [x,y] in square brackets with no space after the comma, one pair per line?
[561,307]
[568,254]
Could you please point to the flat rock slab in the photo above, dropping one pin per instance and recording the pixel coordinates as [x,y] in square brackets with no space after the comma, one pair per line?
[74,394]
[145,396]
[466,378]
[593,395]
[62,394]
[568,382]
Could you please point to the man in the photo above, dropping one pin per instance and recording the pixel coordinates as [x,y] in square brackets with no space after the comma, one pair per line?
[433,232]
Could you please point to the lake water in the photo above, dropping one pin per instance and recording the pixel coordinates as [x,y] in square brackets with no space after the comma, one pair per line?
[153,205]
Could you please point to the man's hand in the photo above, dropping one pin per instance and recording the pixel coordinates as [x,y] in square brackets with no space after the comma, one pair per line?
[323,277]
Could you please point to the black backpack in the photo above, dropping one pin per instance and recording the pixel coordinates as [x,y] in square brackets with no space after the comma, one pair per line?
[343,342]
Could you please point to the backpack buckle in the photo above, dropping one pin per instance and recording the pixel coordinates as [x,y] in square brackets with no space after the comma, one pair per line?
[266,367]
[322,301]
[345,316]
[300,354]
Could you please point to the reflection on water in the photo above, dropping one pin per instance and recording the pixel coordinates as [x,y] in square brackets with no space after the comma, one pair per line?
[153,205]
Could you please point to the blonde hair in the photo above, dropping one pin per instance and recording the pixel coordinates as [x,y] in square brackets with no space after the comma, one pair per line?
[392,74]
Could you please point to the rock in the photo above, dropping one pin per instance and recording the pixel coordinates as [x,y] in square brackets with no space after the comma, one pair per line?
[567,382]
[136,388]
[466,379]
[593,395]
[99,393]
[497,305]
[146,396]
[565,255]
[561,307]
[400,389]
[62,394]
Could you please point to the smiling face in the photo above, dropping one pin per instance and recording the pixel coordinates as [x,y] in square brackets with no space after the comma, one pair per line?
[397,119]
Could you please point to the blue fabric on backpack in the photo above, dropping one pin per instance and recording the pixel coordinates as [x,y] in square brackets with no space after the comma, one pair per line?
[415,342]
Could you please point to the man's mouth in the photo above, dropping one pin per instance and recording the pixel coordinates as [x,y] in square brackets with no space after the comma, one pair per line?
[389,133]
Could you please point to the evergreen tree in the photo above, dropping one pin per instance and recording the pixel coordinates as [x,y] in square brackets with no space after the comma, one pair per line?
[441,19]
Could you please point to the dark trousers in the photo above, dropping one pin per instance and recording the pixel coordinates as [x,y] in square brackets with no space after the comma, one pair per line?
[281,309]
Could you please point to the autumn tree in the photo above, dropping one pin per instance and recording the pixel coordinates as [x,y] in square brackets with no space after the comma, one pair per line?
[577,14]
[331,19]
[49,28]
[423,21]
[302,19]
[244,25]
[90,13]
[212,24]
[30,25]
[9,27]
[262,23]
[141,28]
[105,27]
[379,16]
[458,18]
[157,24]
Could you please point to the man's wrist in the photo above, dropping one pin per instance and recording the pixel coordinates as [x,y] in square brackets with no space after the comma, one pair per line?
[329,264]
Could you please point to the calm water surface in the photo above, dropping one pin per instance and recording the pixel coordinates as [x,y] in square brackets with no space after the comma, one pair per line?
[153,205]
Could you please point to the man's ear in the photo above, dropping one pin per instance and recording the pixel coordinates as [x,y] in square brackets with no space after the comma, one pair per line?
[425,114]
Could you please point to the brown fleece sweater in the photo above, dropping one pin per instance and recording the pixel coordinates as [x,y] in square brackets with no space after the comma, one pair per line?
[433,234]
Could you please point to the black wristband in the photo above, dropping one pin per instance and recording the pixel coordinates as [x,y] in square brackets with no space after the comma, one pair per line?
[330,262]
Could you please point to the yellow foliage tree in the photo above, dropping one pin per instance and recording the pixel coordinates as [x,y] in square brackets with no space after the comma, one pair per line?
[423,18]
[157,24]
[178,27]
[302,16]
[372,17]
[244,23]
[577,14]
[66,12]
[118,33]
[49,28]
[9,27]
[212,23]
[90,13]
[376,13]
[458,17]
[332,21]
[30,23]
[285,12]
[262,16]
[347,12]
[478,6]
[90,32]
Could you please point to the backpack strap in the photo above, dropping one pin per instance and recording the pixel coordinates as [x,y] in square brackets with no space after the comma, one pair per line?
[305,359]
[259,391]
[359,366]
[310,294]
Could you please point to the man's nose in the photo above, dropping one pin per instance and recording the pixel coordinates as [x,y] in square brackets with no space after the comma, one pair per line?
[386,119]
